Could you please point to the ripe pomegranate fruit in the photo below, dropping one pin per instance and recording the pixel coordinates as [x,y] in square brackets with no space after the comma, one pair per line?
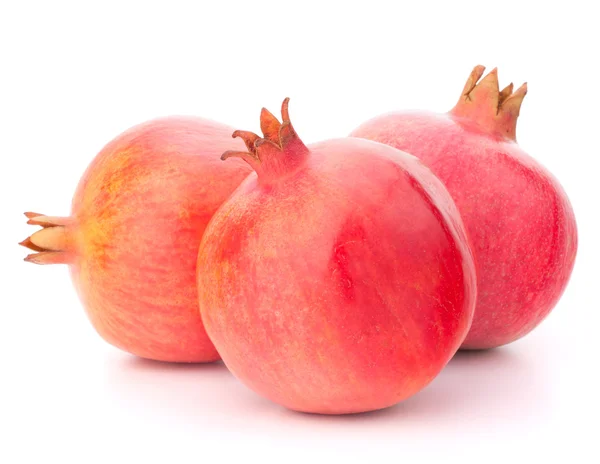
[337,278]
[132,239]
[519,220]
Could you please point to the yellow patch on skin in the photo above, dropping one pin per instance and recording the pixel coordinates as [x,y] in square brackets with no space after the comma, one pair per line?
[184,213]
[115,185]
[97,237]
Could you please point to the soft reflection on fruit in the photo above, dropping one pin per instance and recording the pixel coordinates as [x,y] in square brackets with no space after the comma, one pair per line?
[519,220]
[337,278]
[132,239]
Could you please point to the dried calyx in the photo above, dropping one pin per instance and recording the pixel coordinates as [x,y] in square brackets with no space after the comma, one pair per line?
[490,109]
[280,150]
[51,243]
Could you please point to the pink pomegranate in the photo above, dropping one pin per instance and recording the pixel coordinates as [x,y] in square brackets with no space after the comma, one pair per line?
[337,278]
[518,218]
[132,238]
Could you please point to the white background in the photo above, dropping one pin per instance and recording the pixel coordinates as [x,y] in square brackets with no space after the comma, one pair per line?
[73,76]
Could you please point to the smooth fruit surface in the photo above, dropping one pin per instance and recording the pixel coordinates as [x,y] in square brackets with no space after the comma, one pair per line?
[132,239]
[337,279]
[519,220]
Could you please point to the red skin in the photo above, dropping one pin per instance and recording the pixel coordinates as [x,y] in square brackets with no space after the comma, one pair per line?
[519,220]
[138,215]
[338,279]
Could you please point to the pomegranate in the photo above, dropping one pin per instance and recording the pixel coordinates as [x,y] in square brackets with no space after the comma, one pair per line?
[132,239]
[337,278]
[519,220]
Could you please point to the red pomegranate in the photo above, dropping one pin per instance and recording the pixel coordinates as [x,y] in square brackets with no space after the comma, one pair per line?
[519,220]
[132,239]
[337,278]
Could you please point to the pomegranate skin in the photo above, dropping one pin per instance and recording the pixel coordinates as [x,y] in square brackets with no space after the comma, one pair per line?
[338,278]
[520,223]
[132,239]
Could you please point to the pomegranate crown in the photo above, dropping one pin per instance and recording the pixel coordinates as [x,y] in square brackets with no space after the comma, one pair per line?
[279,151]
[492,110]
[51,244]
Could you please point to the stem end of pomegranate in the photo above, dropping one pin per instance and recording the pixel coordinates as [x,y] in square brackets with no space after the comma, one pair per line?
[51,243]
[48,257]
[280,149]
[482,104]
